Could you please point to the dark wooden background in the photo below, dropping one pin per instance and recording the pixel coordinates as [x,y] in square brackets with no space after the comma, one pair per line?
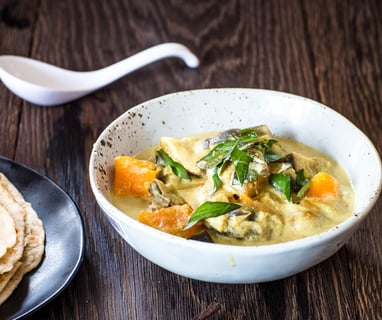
[327,50]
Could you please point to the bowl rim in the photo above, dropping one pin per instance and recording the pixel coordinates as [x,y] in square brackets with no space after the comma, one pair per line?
[353,221]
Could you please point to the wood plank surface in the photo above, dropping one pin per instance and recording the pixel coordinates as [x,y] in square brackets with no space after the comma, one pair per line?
[327,50]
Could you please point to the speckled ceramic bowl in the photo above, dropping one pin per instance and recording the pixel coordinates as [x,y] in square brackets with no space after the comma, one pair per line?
[190,112]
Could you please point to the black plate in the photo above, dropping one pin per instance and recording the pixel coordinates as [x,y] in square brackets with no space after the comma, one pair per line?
[65,241]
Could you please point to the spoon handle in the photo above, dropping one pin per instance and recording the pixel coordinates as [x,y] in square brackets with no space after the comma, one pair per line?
[44,84]
[145,57]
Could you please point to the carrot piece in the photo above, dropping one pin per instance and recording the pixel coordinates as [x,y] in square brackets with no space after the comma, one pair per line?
[133,176]
[323,185]
[171,220]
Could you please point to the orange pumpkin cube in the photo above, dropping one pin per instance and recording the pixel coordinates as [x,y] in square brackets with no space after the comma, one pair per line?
[171,220]
[133,176]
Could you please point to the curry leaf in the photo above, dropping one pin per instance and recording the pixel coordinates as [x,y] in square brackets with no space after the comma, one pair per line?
[281,181]
[177,168]
[271,156]
[248,132]
[210,209]
[304,189]
[244,149]
[216,179]
[241,162]
[301,180]
[217,155]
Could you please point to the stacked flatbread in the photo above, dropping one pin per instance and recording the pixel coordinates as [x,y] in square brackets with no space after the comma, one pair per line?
[22,238]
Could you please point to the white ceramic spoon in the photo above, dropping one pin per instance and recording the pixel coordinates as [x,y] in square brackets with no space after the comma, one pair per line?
[47,85]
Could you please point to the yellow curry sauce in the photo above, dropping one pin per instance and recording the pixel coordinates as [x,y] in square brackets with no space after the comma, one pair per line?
[283,190]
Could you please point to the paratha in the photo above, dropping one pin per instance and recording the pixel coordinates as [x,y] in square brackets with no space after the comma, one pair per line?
[29,247]
[17,213]
[7,232]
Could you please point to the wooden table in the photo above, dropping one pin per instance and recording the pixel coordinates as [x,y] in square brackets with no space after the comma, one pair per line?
[328,50]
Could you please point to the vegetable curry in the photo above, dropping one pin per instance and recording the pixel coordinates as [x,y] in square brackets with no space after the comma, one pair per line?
[240,186]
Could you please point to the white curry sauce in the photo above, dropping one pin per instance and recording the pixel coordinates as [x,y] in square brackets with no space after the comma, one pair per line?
[268,213]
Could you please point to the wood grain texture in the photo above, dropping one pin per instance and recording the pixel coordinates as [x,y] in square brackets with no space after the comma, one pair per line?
[327,50]
[349,79]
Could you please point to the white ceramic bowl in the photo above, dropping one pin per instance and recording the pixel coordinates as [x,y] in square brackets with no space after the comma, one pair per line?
[189,112]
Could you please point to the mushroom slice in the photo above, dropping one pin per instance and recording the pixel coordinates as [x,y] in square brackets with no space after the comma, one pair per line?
[311,165]
[163,197]
[262,130]
[247,224]
[223,136]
